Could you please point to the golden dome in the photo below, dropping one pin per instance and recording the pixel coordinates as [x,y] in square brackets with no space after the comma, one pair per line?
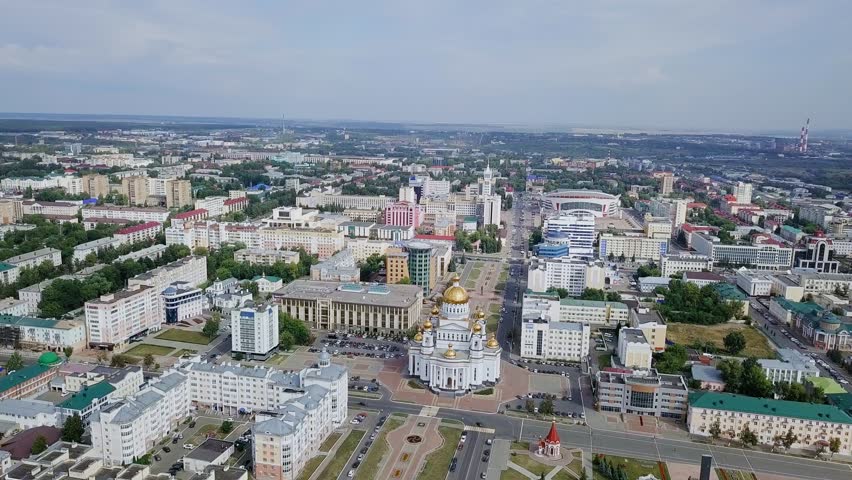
[450,353]
[418,337]
[435,310]
[427,325]
[492,342]
[456,294]
[477,328]
[480,315]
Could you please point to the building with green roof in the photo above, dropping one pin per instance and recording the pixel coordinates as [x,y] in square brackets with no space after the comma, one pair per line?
[732,293]
[46,332]
[812,423]
[8,273]
[87,400]
[26,381]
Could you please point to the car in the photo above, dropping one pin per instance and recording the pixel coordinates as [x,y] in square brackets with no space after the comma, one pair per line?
[364,450]
[356,464]
[489,442]
[192,424]
[479,424]
[177,466]
[483,475]
[167,449]
[188,446]
[230,419]
[175,440]
[360,456]
[157,458]
[351,473]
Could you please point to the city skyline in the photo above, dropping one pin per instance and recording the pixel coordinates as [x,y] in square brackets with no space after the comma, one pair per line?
[725,67]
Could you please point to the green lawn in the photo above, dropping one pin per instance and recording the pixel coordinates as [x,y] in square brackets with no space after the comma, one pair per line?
[438,462]
[184,351]
[338,463]
[494,308]
[757,345]
[144,349]
[636,468]
[310,467]
[512,475]
[563,475]
[605,360]
[329,442]
[530,464]
[186,336]
[370,466]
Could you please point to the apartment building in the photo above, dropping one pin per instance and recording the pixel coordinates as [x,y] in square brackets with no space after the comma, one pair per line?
[26,414]
[261,256]
[138,233]
[814,282]
[133,214]
[178,193]
[403,213]
[812,423]
[95,185]
[652,325]
[128,429]
[571,274]
[362,248]
[310,406]
[45,333]
[321,242]
[94,247]
[191,270]
[115,318]
[254,330]
[49,209]
[36,258]
[182,301]
[672,264]
[27,382]
[11,211]
[135,188]
[8,273]
[642,393]
[352,306]
[315,198]
[638,247]
[633,349]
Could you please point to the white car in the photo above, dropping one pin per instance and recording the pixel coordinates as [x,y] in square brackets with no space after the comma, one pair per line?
[188,446]
[351,473]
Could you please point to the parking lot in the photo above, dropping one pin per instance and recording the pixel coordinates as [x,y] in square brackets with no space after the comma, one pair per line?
[356,346]
[174,448]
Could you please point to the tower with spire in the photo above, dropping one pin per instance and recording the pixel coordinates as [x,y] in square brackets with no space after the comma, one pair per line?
[550,446]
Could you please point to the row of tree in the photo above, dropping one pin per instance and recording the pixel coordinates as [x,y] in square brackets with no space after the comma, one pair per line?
[688,303]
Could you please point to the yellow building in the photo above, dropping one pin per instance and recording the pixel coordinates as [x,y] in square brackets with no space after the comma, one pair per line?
[135,189]
[396,265]
[95,185]
[178,193]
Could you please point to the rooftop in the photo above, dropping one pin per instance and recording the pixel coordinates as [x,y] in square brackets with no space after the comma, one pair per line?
[138,228]
[764,406]
[210,450]
[25,257]
[17,377]
[356,293]
[85,397]
[573,302]
[729,292]
[707,373]
[703,276]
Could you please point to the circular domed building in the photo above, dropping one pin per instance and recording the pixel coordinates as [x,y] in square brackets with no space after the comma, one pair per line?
[49,359]
[451,352]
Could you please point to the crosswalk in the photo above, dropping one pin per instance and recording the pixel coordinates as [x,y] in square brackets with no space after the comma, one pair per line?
[479,429]
[429,411]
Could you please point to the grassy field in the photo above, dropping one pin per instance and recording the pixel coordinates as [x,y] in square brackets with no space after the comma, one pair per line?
[438,462]
[520,446]
[512,475]
[756,344]
[310,467]
[329,442]
[636,468]
[531,465]
[605,360]
[370,466]
[338,463]
[185,336]
[144,349]
[727,474]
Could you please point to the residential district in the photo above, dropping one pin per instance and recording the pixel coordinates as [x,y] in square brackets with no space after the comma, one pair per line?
[251,301]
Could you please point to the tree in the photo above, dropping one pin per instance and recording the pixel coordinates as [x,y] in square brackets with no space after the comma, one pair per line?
[39,445]
[211,327]
[300,332]
[672,360]
[788,439]
[15,362]
[747,436]
[530,406]
[226,427]
[451,267]
[735,342]
[833,445]
[148,361]
[546,407]
[101,356]
[120,361]
[715,430]
[68,351]
[404,281]
[286,340]
[73,429]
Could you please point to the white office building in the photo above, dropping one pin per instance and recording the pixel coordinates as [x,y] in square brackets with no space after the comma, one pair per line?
[575,229]
[633,350]
[182,301]
[543,338]
[633,246]
[26,414]
[792,367]
[766,255]
[755,284]
[114,318]
[672,264]
[254,330]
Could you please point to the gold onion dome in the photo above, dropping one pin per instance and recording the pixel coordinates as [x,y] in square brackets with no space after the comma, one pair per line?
[480,315]
[456,294]
[450,353]
[427,325]
[492,342]
[477,328]
[418,337]
[435,310]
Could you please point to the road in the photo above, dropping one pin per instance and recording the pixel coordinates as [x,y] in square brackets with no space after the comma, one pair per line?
[519,226]
[628,444]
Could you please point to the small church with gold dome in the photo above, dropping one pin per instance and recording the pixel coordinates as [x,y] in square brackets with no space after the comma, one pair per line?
[450,353]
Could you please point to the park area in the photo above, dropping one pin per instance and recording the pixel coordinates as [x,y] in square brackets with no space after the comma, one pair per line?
[144,349]
[688,334]
[633,467]
[185,336]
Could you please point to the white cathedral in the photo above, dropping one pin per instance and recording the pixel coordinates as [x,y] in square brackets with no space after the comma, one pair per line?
[450,353]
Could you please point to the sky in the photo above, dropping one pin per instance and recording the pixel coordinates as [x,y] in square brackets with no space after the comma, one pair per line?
[722,65]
